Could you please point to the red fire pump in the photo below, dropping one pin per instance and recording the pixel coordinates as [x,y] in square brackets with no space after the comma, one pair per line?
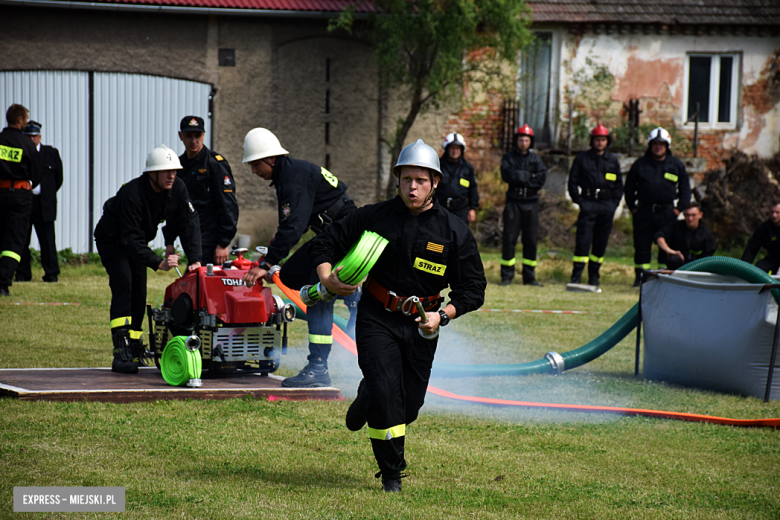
[238,327]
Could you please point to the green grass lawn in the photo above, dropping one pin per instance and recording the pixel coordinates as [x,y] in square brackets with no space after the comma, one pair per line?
[248,458]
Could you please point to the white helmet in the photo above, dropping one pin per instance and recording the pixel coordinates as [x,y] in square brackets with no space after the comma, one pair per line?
[162,158]
[454,138]
[260,143]
[418,154]
[659,134]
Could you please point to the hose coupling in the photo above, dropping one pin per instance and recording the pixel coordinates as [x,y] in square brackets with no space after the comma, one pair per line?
[556,361]
[269,276]
[311,294]
[192,343]
[423,318]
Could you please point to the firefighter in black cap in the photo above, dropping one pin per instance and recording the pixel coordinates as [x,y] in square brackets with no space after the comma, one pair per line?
[129,222]
[595,184]
[209,182]
[309,197]
[20,172]
[525,173]
[44,210]
[458,189]
[429,250]
[653,183]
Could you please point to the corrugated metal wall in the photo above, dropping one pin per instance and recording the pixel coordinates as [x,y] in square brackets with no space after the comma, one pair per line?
[60,101]
[133,113]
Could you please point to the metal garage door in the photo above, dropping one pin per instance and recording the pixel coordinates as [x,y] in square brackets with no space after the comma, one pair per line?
[103,124]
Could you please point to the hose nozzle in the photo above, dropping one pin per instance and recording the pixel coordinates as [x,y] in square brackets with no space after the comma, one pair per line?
[424,319]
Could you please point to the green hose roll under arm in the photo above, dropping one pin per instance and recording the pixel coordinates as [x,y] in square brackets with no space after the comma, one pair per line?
[180,364]
[361,257]
[613,336]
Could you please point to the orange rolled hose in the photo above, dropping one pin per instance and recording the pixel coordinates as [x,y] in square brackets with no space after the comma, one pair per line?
[349,344]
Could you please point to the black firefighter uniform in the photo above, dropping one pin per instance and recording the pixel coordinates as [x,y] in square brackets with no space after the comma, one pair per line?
[20,172]
[596,185]
[525,174]
[129,222]
[212,190]
[425,254]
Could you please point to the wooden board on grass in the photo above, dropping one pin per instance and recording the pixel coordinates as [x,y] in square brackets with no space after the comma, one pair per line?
[100,384]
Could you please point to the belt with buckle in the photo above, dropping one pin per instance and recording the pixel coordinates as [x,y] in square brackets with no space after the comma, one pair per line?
[392,302]
[9,184]
[598,194]
[656,208]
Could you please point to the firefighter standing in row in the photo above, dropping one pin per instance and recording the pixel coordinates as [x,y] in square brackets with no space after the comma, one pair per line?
[44,210]
[309,197]
[129,222]
[457,190]
[525,173]
[766,235]
[596,186]
[429,250]
[210,184]
[652,185]
[20,172]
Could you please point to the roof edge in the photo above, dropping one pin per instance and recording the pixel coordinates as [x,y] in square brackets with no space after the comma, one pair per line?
[104,6]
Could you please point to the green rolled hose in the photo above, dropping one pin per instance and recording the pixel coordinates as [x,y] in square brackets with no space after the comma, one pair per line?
[613,335]
[361,257]
[180,364]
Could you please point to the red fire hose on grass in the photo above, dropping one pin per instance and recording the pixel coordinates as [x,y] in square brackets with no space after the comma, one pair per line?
[348,343]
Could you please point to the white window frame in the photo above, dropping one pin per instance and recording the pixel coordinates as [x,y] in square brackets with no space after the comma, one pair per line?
[736,87]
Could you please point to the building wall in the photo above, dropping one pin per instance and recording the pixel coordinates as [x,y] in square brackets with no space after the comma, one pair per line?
[652,68]
[278,82]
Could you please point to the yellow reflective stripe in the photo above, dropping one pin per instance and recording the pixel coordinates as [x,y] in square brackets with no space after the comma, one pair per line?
[696,252]
[610,176]
[10,154]
[509,262]
[121,322]
[594,258]
[386,435]
[322,340]
[532,263]
[580,259]
[332,180]
[465,183]
[136,334]
[11,254]
[643,266]
[670,177]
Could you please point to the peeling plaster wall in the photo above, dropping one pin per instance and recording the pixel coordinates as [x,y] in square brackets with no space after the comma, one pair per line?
[652,68]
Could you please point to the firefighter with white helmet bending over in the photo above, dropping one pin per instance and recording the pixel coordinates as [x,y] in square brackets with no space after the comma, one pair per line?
[309,197]
[129,222]
[457,190]
[652,185]
[429,249]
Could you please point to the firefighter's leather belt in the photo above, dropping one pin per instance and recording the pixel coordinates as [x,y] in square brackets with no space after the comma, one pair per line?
[598,194]
[523,193]
[392,302]
[323,219]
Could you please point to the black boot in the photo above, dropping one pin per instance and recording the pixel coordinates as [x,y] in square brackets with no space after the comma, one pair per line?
[638,280]
[356,415]
[576,272]
[507,274]
[593,273]
[313,375]
[529,276]
[123,357]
